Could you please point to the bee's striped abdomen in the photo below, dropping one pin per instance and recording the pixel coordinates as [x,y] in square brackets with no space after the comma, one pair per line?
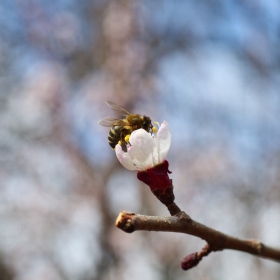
[114,136]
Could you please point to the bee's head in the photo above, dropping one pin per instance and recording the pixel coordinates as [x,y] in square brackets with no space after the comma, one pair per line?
[147,124]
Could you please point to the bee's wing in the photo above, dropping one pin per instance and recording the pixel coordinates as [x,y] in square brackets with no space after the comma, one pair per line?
[117,109]
[107,121]
[113,122]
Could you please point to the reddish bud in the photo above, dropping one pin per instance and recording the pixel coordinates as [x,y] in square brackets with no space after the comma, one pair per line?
[190,261]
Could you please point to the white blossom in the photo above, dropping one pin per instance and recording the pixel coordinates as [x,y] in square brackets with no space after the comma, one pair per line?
[145,150]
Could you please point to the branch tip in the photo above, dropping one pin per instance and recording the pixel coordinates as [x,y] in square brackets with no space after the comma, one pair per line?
[124,221]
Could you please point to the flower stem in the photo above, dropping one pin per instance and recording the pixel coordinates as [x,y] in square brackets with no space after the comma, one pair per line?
[173,209]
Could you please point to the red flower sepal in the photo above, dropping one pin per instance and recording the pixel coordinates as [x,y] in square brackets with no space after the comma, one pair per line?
[158,180]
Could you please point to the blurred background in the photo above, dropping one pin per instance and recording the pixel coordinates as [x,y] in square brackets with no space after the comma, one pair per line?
[211,69]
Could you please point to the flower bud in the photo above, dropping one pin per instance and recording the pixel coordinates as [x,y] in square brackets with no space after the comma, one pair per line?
[190,261]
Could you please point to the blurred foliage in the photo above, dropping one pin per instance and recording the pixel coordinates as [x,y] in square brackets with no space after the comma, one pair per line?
[211,69]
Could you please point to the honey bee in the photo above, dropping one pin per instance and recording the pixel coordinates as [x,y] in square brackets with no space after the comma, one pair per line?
[122,128]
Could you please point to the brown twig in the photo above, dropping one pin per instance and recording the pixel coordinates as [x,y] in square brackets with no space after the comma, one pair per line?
[181,222]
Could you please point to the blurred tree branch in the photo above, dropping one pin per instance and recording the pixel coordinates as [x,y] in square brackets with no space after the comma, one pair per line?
[181,222]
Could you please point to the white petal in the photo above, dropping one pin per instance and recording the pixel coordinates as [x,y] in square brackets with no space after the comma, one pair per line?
[124,158]
[163,141]
[143,150]
[138,164]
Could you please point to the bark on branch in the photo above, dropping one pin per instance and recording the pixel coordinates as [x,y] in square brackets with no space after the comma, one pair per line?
[181,222]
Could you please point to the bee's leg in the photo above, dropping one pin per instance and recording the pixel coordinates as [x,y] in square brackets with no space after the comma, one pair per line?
[126,139]
[124,147]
